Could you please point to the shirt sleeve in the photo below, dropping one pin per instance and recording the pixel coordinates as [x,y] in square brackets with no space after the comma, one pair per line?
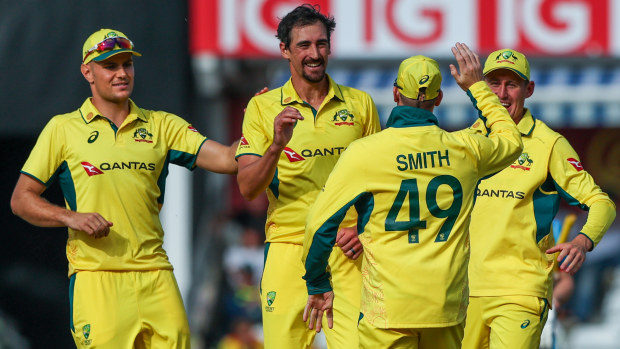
[255,138]
[343,189]
[575,185]
[47,155]
[503,144]
[374,124]
[183,140]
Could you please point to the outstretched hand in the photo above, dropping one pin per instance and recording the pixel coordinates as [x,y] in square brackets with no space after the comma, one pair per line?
[316,306]
[469,66]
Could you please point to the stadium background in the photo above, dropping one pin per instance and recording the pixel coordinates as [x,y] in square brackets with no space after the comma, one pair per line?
[204,59]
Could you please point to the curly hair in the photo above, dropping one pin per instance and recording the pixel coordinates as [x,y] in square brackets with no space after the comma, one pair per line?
[302,15]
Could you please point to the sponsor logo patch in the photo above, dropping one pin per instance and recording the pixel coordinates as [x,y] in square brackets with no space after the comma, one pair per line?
[525,324]
[244,141]
[192,128]
[91,170]
[292,155]
[576,164]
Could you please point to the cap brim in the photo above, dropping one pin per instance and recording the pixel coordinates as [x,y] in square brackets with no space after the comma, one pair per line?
[109,54]
[508,68]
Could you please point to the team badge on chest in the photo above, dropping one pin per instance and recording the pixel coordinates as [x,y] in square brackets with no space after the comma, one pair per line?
[143,135]
[523,162]
[343,117]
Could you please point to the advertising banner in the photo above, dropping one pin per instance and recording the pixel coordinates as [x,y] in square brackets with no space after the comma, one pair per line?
[394,28]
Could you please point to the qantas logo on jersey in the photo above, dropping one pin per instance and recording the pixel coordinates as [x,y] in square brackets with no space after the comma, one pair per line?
[500,193]
[309,153]
[292,155]
[576,164]
[91,170]
[244,141]
[192,128]
[523,162]
[143,135]
[341,117]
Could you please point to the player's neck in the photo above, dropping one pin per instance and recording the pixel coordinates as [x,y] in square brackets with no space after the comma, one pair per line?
[312,93]
[115,111]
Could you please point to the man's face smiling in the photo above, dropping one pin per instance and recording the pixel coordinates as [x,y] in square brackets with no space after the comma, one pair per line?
[511,89]
[308,52]
[113,78]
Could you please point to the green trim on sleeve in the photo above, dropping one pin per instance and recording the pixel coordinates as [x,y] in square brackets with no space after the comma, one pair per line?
[317,276]
[181,158]
[35,178]
[239,155]
[592,241]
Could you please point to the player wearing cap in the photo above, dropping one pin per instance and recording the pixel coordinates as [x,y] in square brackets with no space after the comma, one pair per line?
[512,258]
[413,201]
[111,159]
[292,138]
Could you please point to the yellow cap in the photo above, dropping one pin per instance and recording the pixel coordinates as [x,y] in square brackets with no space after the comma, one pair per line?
[97,37]
[508,59]
[417,72]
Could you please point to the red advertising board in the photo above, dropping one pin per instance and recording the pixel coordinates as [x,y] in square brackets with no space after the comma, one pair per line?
[393,28]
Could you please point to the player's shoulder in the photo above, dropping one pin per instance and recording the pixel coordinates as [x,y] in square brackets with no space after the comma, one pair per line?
[351,92]
[545,133]
[65,118]
[271,96]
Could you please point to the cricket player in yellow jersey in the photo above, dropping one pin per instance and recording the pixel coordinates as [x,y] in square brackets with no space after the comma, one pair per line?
[512,252]
[292,138]
[111,159]
[412,185]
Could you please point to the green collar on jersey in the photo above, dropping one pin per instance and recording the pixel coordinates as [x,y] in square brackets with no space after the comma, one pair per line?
[406,116]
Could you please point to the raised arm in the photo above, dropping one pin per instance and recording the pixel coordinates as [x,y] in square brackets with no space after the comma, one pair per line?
[256,172]
[503,144]
[28,204]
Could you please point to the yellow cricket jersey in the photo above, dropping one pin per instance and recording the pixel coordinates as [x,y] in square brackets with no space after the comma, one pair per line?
[412,185]
[119,173]
[345,115]
[511,221]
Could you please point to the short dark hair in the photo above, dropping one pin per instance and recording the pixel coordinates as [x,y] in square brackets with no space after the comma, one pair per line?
[302,15]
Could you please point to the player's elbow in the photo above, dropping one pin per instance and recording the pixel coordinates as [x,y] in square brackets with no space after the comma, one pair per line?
[248,193]
[17,206]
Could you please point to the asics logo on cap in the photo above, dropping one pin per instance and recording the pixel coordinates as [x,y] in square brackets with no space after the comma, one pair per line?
[424,79]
